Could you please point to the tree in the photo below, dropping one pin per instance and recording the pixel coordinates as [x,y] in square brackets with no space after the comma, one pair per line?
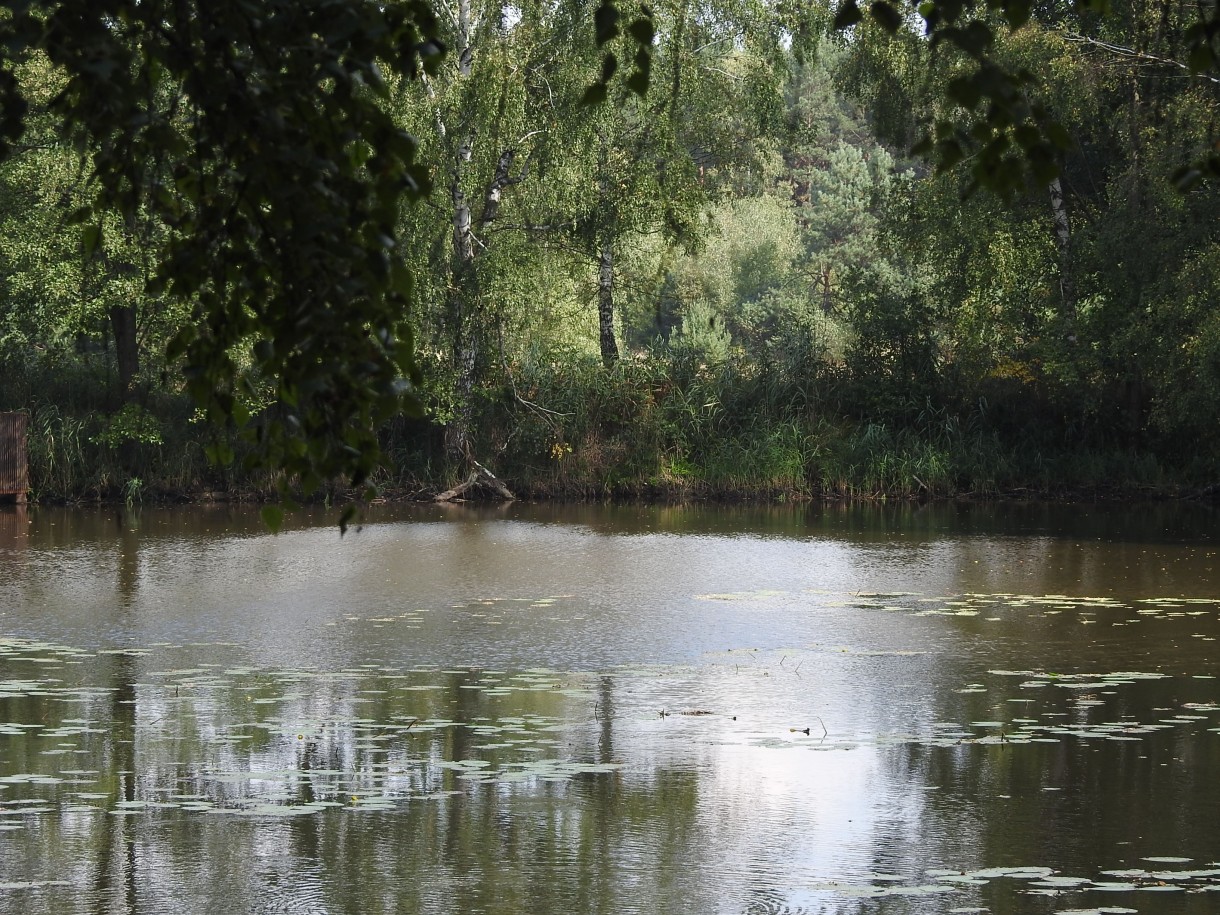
[991,110]
[77,317]
[540,197]
[259,147]
[258,136]
[663,160]
[1073,308]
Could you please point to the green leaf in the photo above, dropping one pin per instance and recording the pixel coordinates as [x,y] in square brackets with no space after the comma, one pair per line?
[642,30]
[885,15]
[975,38]
[219,453]
[1200,58]
[1016,12]
[637,82]
[241,415]
[594,95]
[605,22]
[609,68]
[1058,134]
[847,15]
[91,240]
[948,154]
[346,517]
[1028,136]
[273,517]
[964,91]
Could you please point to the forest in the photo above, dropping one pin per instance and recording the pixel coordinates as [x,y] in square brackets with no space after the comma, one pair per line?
[774,274]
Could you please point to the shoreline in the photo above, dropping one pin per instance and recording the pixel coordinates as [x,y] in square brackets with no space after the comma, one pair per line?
[694,493]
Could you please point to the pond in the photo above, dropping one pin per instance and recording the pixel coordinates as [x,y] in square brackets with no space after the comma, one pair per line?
[576,709]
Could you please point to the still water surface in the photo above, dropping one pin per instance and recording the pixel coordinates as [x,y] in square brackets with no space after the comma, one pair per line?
[547,709]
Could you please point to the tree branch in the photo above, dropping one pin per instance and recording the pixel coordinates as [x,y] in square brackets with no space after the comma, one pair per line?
[1132,54]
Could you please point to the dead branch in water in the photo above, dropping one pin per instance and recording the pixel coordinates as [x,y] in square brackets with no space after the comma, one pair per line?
[480,476]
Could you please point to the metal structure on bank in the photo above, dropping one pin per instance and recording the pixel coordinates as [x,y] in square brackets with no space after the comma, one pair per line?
[14,475]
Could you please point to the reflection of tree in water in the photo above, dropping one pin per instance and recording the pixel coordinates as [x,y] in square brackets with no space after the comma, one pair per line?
[128,581]
[97,853]
[115,880]
[1079,805]
[494,848]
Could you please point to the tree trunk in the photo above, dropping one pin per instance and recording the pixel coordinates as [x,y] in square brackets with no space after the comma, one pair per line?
[467,345]
[465,315]
[1063,239]
[466,320]
[605,263]
[462,323]
[464,49]
[127,354]
[461,297]
[828,303]
[605,305]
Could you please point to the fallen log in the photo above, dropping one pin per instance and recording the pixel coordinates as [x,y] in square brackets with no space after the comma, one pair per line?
[480,477]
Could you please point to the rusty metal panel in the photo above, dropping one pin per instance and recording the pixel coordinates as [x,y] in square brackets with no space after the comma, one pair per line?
[14,478]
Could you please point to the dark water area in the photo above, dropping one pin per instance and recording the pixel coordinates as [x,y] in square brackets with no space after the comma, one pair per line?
[943,708]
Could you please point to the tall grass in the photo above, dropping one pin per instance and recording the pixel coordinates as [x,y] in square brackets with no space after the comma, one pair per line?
[661,424]
[60,462]
[74,453]
[665,424]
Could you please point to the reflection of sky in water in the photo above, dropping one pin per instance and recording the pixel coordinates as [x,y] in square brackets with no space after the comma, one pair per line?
[722,800]
[953,723]
[630,593]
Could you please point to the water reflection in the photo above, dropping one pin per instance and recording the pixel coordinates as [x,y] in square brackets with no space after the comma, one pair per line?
[14,531]
[609,710]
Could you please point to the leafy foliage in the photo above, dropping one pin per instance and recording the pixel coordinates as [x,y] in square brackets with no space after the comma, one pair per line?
[798,301]
[257,134]
[990,108]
